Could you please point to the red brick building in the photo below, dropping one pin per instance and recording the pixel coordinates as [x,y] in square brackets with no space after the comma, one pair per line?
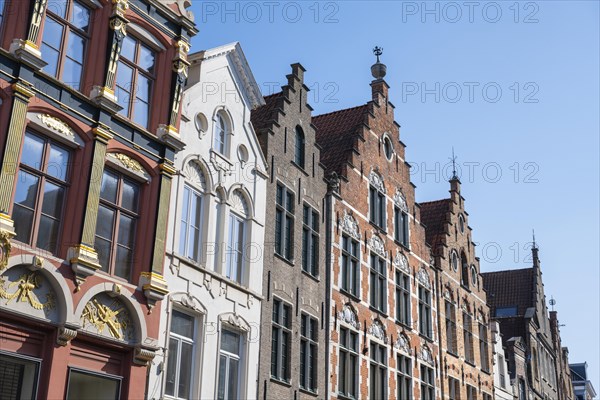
[383,316]
[463,315]
[89,110]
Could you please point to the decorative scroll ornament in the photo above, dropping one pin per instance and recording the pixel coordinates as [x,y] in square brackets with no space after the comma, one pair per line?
[400,201]
[423,278]
[239,203]
[348,316]
[376,245]
[401,262]
[376,181]
[425,355]
[5,248]
[127,162]
[56,124]
[112,318]
[402,344]
[376,329]
[350,226]
[24,292]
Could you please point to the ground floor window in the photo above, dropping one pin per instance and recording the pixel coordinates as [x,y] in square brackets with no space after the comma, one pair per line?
[230,368]
[18,377]
[84,385]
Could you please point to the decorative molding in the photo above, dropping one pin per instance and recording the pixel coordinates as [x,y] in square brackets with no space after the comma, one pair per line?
[143,356]
[401,262]
[84,262]
[195,175]
[425,355]
[378,331]
[56,124]
[350,226]
[400,201]
[65,335]
[154,286]
[239,203]
[26,284]
[377,246]
[423,278]
[235,320]
[127,162]
[5,247]
[376,181]
[403,344]
[349,316]
[108,319]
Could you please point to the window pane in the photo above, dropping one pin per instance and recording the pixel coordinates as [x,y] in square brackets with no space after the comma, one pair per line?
[84,386]
[23,218]
[75,46]
[102,246]
[108,189]
[233,379]
[172,367]
[58,162]
[51,57]
[146,60]
[128,48]
[47,236]
[81,16]
[53,200]
[53,32]
[126,231]
[104,225]
[129,197]
[141,113]
[18,377]
[124,262]
[222,377]
[33,148]
[27,187]
[185,370]
[71,74]
[230,342]
[182,324]
[58,7]
[124,81]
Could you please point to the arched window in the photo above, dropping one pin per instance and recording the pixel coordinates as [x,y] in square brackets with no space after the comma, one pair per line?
[299,147]
[220,134]
[464,270]
[236,240]
[454,261]
[190,237]
[377,203]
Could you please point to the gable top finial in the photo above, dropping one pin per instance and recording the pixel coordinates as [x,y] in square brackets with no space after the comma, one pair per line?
[534,245]
[378,70]
[453,159]
[378,51]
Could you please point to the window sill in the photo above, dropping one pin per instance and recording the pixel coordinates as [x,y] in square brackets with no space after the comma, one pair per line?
[285,260]
[471,363]
[404,246]
[300,168]
[427,338]
[453,354]
[344,397]
[404,325]
[281,381]
[485,371]
[309,392]
[380,229]
[378,311]
[315,278]
[352,296]
[465,287]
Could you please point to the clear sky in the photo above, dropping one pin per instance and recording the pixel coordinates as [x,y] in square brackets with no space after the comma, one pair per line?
[512,86]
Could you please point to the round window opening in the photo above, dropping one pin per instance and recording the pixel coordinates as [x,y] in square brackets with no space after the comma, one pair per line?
[201,123]
[387,148]
[473,275]
[242,154]
[454,262]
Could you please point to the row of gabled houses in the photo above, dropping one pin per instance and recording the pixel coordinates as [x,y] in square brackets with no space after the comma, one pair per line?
[168,232]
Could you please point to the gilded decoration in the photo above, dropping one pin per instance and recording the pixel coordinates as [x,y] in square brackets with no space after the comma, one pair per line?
[107,315]
[26,284]
[56,124]
[5,248]
[127,162]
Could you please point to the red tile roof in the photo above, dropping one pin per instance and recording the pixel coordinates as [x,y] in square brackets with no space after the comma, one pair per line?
[337,133]
[262,116]
[433,216]
[510,288]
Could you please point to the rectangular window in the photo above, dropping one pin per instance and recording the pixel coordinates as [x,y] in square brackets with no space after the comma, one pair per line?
[231,371]
[64,40]
[350,266]
[90,385]
[471,392]
[522,390]
[502,371]
[18,377]
[179,381]
[403,310]
[427,383]
[468,337]
[425,327]
[453,389]
[506,311]
[134,80]
[404,378]
[309,342]
[450,327]
[281,340]
[310,241]
[284,223]
[348,368]
[484,347]
[378,284]
[40,194]
[2,4]
[234,259]
[191,224]
[487,396]
[377,207]
[401,226]
[378,372]
[118,215]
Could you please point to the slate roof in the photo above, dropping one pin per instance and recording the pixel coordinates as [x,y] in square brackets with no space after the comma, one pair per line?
[262,116]
[510,288]
[337,133]
[433,216]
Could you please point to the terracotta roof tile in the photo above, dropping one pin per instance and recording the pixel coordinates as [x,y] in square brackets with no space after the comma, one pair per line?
[510,288]
[336,134]
[262,116]
[433,216]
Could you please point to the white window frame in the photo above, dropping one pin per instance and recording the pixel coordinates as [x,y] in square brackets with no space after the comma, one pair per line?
[349,353]
[192,341]
[184,241]
[241,363]
[240,273]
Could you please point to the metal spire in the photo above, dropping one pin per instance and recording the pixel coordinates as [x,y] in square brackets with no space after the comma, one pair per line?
[534,246]
[378,51]
[453,159]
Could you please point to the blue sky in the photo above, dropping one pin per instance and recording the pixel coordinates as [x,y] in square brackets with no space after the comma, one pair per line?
[512,86]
